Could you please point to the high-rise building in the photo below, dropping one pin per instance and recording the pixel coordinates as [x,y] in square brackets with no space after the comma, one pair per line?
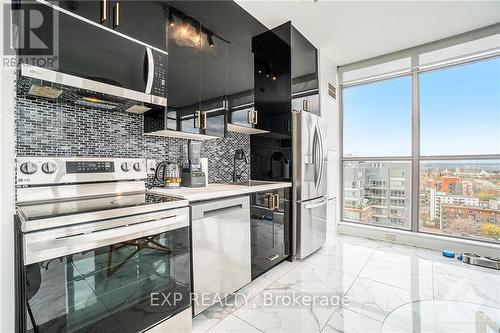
[438,199]
[467,220]
[378,192]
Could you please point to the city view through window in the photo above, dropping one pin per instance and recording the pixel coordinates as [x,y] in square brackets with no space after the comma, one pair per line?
[460,198]
[378,193]
[458,156]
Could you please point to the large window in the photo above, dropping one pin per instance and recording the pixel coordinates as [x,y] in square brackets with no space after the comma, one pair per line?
[421,146]
[460,116]
[377,118]
[377,124]
[460,110]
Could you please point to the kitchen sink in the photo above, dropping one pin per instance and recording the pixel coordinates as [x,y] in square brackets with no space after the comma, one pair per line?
[251,183]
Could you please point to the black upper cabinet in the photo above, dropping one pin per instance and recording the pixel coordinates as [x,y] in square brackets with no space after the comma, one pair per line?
[286,68]
[241,87]
[142,20]
[304,57]
[305,84]
[272,77]
[97,11]
[234,25]
[196,80]
[184,73]
[213,83]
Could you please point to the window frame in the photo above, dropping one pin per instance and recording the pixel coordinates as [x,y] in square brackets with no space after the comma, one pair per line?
[415,157]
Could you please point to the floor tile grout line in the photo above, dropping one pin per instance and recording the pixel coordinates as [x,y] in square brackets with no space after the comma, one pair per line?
[258,329]
[251,298]
[219,320]
[433,288]
[348,289]
[393,286]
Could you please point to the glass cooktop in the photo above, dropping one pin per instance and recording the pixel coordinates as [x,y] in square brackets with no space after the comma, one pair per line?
[43,210]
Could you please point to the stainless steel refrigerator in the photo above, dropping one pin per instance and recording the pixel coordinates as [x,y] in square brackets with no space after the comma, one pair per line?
[309,183]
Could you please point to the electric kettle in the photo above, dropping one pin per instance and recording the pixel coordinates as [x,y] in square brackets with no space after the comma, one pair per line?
[168,174]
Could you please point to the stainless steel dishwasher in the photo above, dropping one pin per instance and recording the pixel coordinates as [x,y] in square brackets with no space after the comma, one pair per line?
[221,249]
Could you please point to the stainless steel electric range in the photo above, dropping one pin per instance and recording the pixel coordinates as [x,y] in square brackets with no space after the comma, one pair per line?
[98,252]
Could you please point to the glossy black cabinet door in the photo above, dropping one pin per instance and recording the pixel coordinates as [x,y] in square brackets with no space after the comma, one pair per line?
[241,86]
[269,230]
[97,11]
[307,103]
[213,83]
[184,74]
[272,81]
[304,58]
[143,20]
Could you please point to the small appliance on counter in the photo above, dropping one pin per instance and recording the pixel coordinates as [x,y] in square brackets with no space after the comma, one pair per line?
[192,173]
[278,156]
[168,174]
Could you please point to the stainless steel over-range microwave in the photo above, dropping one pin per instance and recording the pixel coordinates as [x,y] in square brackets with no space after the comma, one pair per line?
[94,58]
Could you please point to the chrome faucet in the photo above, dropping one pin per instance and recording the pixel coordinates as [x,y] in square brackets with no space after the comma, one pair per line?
[239,155]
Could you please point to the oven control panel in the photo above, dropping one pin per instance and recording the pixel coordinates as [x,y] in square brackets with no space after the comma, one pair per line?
[89,166]
[66,170]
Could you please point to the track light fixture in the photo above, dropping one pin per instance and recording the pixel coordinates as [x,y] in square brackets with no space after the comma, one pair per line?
[171,21]
[210,40]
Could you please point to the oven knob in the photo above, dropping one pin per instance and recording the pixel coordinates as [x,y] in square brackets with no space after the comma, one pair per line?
[137,166]
[125,167]
[49,167]
[28,168]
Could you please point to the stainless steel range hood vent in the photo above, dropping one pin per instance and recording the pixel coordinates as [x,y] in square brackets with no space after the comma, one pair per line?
[96,103]
[42,82]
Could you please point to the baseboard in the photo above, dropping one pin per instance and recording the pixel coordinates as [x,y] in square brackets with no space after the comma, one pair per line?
[434,242]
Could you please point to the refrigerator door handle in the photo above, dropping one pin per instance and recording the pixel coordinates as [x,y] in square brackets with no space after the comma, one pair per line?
[321,156]
[315,156]
[316,204]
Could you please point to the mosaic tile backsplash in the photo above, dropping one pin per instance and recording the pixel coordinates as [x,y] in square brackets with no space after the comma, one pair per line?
[57,128]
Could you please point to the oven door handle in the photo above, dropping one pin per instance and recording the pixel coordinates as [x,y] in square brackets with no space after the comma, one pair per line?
[40,250]
[151,70]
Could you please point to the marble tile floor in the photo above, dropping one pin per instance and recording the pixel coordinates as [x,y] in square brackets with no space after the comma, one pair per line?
[371,286]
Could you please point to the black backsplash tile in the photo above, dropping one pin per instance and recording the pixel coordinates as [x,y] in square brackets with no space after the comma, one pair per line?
[57,128]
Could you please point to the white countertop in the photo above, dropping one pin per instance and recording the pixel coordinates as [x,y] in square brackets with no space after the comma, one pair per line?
[215,191]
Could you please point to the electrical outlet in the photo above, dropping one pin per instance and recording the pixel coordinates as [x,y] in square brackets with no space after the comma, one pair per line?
[390,237]
[151,166]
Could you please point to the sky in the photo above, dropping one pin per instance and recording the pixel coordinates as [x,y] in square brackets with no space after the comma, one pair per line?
[459,113]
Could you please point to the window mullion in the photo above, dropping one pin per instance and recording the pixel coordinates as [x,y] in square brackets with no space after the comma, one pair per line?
[415,184]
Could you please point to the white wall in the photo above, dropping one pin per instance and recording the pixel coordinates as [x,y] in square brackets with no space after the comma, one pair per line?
[329,111]
[7,141]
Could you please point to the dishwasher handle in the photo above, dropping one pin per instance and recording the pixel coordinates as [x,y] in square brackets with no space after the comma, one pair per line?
[219,207]
[221,211]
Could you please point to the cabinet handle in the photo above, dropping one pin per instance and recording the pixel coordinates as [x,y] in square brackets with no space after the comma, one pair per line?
[255,113]
[197,119]
[304,105]
[270,203]
[104,10]
[116,15]
[277,201]
[251,116]
[204,120]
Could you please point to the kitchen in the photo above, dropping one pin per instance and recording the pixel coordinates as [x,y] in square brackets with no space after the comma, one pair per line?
[205,166]
[153,152]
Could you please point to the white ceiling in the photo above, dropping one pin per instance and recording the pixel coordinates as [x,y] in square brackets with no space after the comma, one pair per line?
[349,31]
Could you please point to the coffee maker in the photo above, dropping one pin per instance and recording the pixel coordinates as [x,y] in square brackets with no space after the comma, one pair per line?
[192,174]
